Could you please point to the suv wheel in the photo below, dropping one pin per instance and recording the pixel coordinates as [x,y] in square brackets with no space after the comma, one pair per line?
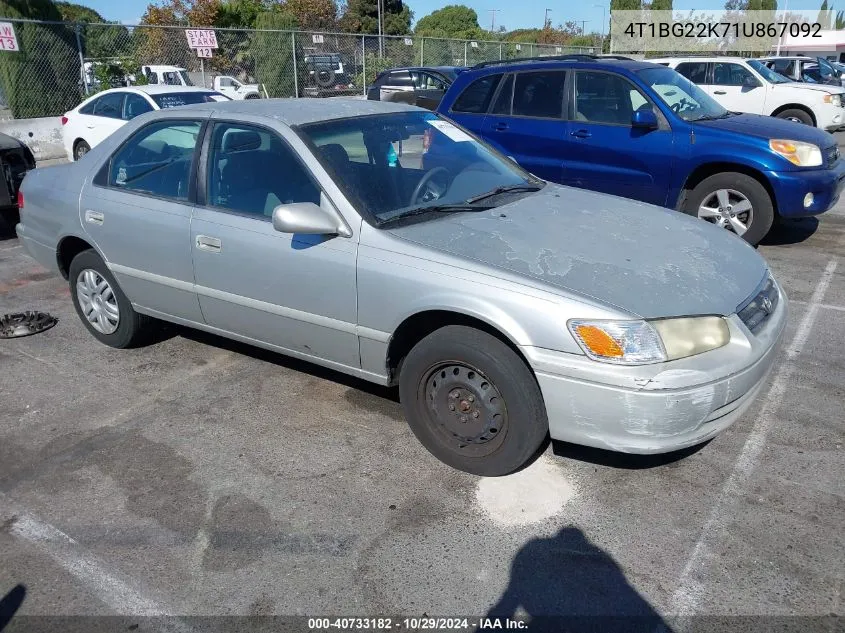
[734,201]
[799,116]
[473,402]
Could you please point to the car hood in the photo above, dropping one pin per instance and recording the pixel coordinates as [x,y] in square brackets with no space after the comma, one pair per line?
[830,88]
[768,127]
[646,260]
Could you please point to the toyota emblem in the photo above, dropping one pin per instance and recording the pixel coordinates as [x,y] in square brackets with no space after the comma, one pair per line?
[767,305]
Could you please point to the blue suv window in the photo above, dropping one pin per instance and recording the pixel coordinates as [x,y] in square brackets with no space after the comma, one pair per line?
[539,94]
[476,97]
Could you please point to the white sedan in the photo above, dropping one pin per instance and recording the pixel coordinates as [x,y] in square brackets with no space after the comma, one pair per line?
[101,114]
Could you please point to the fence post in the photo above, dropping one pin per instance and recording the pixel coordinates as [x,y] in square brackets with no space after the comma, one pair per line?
[364,63]
[422,51]
[295,73]
[81,58]
[500,51]
[465,52]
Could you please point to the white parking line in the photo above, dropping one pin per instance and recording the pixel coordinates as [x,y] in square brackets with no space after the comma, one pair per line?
[686,598]
[122,595]
[823,306]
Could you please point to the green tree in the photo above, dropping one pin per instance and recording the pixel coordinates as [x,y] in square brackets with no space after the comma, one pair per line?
[101,41]
[273,53]
[625,5]
[361,16]
[313,15]
[661,5]
[238,14]
[454,20]
[825,17]
[43,78]
[840,20]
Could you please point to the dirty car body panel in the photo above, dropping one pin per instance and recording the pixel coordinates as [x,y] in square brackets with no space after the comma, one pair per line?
[520,265]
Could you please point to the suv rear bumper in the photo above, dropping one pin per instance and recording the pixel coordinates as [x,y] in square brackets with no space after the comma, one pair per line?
[790,188]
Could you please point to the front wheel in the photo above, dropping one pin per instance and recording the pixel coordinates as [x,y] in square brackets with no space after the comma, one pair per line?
[80,149]
[798,116]
[733,201]
[473,402]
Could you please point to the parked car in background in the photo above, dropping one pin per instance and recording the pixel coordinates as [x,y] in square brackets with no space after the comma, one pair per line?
[643,131]
[327,73]
[164,75]
[236,90]
[814,70]
[98,116]
[506,309]
[749,85]
[16,160]
[421,86]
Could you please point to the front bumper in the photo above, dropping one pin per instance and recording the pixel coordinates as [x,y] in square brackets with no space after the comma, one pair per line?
[790,187]
[657,408]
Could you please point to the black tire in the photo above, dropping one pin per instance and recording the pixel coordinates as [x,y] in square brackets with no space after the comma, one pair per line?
[80,148]
[252,96]
[799,116]
[324,78]
[496,445]
[762,213]
[130,324]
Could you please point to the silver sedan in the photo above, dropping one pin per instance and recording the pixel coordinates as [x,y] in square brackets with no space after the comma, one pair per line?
[507,309]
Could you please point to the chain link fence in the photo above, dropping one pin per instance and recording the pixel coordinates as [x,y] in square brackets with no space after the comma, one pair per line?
[60,63]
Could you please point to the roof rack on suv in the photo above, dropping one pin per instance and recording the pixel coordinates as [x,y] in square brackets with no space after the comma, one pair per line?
[574,57]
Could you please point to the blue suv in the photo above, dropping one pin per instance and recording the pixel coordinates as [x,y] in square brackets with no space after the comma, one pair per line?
[643,131]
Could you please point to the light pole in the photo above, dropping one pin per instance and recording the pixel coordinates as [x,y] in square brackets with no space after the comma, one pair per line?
[493,13]
[603,23]
[546,19]
[380,40]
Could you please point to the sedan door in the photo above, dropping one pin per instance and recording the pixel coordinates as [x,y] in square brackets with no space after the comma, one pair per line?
[296,293]
[526,122]
[398,87]
[736,88]
[606,153]
[106,117]
[137,211]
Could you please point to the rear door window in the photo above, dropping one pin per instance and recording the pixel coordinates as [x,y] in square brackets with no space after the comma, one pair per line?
[476,97]
[503,99]
[696,72]
[726,74]
[539,94]
[110,105]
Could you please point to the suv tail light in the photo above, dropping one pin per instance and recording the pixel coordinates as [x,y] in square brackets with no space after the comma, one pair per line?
[64,120]
[20,199]
[427,139]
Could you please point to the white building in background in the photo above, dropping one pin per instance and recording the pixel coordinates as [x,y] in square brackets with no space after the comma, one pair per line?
[830,44]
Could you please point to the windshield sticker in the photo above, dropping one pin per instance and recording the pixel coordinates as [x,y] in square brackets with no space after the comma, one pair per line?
[454,133]
[121,176]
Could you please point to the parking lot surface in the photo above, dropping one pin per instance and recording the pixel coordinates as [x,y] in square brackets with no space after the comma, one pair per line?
[197,476]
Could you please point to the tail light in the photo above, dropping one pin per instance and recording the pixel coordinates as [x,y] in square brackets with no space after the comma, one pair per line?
[20,199]
[64,120]
[427,139]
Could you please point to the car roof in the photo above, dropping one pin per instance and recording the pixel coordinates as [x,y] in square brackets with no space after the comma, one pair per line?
[599,63]
[154,89]
[304,110]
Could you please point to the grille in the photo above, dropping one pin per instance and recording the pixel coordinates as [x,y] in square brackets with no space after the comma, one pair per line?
[756,311]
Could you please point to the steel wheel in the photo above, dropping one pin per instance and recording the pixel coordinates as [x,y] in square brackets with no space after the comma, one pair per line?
[80,150]
[97,301]
[729,209]
[466,409]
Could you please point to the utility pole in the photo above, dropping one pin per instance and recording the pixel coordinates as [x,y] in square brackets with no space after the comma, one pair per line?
[546,19]
[493,13]
[583,28]
[380,39]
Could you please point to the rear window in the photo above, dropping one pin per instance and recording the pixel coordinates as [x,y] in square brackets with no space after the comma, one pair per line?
[475,98]
[696,72]
[176,99]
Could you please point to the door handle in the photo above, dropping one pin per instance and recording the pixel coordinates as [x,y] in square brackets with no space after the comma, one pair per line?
[581,134]
[719,92]
[94,217]
[500,127]
[210,244]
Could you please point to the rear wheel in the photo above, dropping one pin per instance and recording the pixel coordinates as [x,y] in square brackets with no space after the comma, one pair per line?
[80,148]
[734,201]
[100,303]
[472,401]
[799,116]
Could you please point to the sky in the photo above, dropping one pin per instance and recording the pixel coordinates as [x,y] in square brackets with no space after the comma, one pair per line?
[513,14]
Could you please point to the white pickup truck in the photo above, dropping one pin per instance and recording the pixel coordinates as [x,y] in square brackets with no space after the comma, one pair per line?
[175,76]
[748,85]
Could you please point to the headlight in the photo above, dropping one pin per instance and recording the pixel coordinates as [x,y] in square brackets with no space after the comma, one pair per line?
[834,99]
[797,152]
[643,342]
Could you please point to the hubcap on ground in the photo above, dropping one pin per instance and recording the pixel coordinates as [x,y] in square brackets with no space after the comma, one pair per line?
[466,408]
[727,208]
[97,301]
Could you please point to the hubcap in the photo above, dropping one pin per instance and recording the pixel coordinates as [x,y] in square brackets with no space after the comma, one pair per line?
[467,411]
[729,209]
[97,301]
[81,150]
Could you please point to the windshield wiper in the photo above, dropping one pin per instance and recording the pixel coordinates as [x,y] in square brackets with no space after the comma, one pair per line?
[710,117]
[436,208]
[503,189]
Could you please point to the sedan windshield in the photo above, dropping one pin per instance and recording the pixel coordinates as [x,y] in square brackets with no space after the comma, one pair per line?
[393,166]
[767,73]
[176,99]
[685,99]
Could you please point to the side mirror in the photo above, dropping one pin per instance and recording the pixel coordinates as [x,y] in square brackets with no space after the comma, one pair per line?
[645,118]
[305,218]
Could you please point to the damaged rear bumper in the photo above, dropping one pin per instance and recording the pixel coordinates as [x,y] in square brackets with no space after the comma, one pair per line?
[657,408]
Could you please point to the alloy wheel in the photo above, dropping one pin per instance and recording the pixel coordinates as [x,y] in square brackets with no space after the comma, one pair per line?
[727,208]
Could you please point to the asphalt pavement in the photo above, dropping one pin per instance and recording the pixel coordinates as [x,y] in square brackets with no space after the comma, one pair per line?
[197,476]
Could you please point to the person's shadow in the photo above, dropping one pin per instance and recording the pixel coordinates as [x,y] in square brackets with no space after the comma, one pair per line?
[566,584]
[10,603]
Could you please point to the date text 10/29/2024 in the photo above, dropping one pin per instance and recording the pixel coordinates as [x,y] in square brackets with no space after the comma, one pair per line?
[416,624]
